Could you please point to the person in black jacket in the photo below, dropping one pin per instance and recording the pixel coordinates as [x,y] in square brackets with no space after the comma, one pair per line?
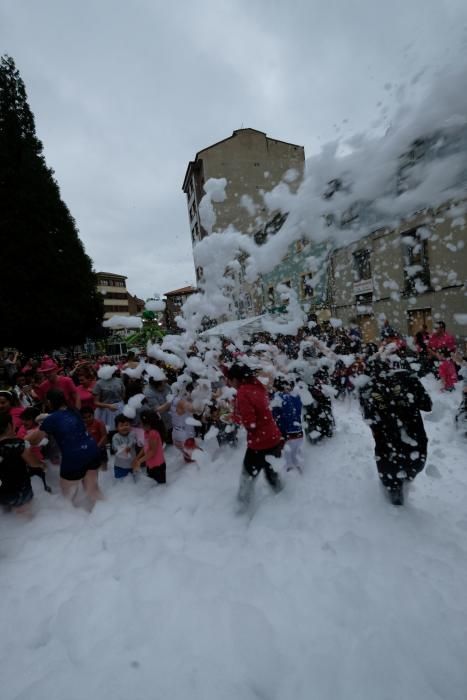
[391,403]
[15,458]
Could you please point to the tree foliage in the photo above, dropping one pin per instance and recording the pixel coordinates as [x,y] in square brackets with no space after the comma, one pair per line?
[48,294]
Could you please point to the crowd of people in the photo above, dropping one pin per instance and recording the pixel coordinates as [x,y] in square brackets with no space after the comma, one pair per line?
[78,415]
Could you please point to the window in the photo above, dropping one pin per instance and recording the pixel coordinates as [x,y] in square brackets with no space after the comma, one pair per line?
[116,295]
[365,300]
[362,265]
[115,283]
[115,308]
[416,262]
[306,286]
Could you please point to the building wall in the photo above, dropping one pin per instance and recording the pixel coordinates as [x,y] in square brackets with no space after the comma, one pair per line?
[135,305]
[115,294]
[252,163]
[310,282]
[388,290]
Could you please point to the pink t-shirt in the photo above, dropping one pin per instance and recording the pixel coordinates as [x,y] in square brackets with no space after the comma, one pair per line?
[65,384]
[158,458]
[437,342]
[448,374]
[86,396]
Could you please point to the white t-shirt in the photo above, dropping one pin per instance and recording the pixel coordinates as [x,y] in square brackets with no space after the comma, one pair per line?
[125,448]
[181,430]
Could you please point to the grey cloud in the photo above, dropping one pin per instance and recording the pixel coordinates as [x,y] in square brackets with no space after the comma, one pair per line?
[124,95]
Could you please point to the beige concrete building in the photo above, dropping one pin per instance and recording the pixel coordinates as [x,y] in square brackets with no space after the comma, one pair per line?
[252,163]
[413,275]
[113,289]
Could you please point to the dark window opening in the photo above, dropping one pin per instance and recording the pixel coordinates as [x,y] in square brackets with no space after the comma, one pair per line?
[362,265]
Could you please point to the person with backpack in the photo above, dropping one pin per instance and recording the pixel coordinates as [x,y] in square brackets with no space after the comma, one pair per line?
[391,402]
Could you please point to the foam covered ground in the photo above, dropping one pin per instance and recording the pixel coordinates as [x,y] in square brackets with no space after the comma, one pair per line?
[326,591]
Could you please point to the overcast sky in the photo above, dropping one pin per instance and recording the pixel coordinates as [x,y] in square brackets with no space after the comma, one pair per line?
[125,94]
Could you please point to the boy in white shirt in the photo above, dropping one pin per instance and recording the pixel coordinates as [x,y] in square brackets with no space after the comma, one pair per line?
[124,446]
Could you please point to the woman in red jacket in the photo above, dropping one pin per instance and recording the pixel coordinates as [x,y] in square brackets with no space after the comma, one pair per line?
[264,438]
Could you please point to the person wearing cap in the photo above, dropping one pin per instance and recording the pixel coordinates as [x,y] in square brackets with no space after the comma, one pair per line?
[53,381]
[264,439]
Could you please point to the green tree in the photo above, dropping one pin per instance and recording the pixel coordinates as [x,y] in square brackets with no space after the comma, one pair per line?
[48,294]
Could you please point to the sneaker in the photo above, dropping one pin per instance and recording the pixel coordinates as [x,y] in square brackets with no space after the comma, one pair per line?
[397,496]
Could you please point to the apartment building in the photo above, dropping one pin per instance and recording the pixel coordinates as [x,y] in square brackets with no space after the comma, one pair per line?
[116,297]
[412,275]
[252,163]
[174,301]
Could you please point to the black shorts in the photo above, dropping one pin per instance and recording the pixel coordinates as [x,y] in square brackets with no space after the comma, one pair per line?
[157,473]
[17,499]
[78,473]
[255,460]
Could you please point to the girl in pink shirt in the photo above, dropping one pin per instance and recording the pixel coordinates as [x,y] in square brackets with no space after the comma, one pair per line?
[153,452]
[84,389]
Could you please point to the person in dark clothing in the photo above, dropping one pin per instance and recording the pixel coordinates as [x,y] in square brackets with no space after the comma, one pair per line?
[391,403]
[318,418]
[264,438]
[15,458]
[421,340]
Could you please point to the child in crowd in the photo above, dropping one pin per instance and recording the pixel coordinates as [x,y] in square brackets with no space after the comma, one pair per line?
[287,412]
[183,428]
[97,430]
[28,431]
[220,416]
[152,453]
[124,446]
[447,371]
[28,427]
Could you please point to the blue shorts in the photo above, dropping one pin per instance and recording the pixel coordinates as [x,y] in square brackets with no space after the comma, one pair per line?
[121,472]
